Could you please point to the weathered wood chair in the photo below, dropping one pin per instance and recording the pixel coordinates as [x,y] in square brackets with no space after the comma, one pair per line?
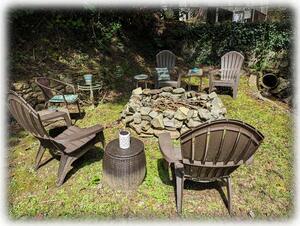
[71,144]
[210,152]
[165,64]
[52,95]
[231,64]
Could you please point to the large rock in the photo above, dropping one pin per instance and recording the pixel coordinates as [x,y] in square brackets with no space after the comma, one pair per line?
[145,110]
[137,118]
[169,122]
[204,114]
[178,90]
[169,113]
[128,119]
[157,122]
[145,125]
[136,127]
[216,102]
[177,123]
[179,115]
[183,129]
[184,110]
[212,95]
[165,94]
[192,123]
[153,114]
[167,89]
[137,91]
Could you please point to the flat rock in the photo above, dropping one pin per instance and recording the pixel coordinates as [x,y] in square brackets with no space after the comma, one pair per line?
[168,113]
[157,122]
[147,91]
[153,114]
[192,123]
[179,115]
[154,91]
[145,110]
[204,114]
[212,95]
[184,110]
[166,89]
[146,118]
[137,91]
[145,125]
[137,118]
[169,122]
[178,90]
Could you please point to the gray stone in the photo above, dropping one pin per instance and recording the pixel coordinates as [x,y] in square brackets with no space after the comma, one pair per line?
[204,114]
[149,131]
[137,91]
[176,96]
[183,129]
[170,128]
[165,94]
[132,107]
[145,125]
[154,91]
[147,91]
[166,89]
[146,118]
[157,122]
[215,112]
[192,123]
[179,115]
[217,102]
[136,127]
[177,123]
[153,114]
[128,119]
[184,110]
[18,86]
[169,122]
[145,110]
[178,90]
[137,118]
[212,95]
[203,96]
[169,113]
[190,114]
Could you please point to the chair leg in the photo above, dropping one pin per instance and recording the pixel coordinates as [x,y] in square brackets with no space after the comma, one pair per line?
[229,194]
[102,139]
[179,190]
[77,103]
[234,92]
[39,156]
[64,164]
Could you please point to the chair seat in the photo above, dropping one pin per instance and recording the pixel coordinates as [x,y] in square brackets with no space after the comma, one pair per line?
[223,82]
[70,98]
[74,145]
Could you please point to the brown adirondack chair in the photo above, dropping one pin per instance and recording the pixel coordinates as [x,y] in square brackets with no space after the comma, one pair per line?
[52,95]
[166,59]
[231,64]
[71,144]
[210,152]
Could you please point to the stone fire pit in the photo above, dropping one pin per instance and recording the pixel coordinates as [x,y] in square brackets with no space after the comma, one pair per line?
[151,112]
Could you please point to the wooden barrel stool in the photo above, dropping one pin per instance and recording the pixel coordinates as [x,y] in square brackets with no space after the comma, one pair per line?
[124,168]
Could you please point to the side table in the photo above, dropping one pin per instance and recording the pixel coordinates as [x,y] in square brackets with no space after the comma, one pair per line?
[142,78]
[91,88]
[199,74]
[124,168]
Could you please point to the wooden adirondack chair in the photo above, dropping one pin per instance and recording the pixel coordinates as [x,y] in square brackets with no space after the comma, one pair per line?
[231,64]
[53,96]
[165,60]
[210,152]
[71,144]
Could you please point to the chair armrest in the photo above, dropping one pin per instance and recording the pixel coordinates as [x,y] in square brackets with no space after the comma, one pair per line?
[166,148]
[85,133]
[65,84]
[56,114]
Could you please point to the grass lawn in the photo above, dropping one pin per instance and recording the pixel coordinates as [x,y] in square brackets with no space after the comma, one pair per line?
[263,190]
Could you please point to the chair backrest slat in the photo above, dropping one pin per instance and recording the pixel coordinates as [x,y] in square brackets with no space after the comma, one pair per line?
[231,64]
[165,59]
[25,115]
[219,147]
[44,82]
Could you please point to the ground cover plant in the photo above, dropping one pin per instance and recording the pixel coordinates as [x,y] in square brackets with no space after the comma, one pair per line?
[262,190]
